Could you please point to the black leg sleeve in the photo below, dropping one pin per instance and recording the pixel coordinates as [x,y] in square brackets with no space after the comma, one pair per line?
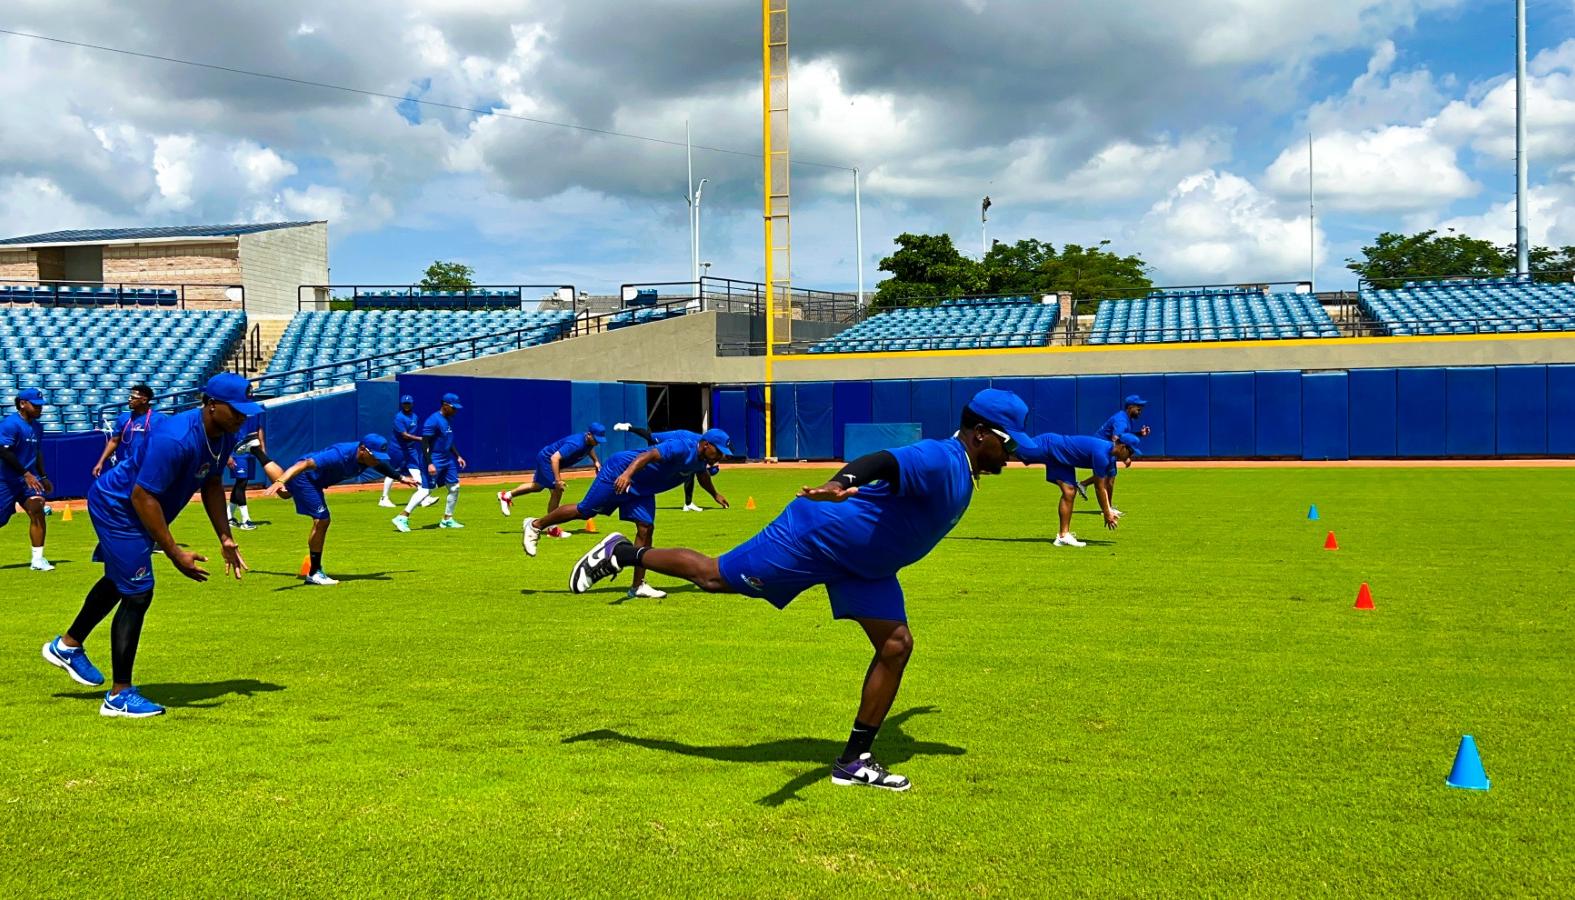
[101,600]
[126,633]
[238,493]
[644,433]
[689,490]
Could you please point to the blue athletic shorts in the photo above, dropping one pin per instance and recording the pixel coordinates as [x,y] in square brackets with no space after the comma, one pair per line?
[543,474]
[1056,472]
[308,497]
[124,547]
[776,568]
[13,492]
[447,474]
[243,467]
[396,457]
[603,499]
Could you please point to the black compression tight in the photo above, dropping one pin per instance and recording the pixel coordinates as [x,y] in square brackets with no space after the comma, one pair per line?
[100,602]
[125,631]
[238,493]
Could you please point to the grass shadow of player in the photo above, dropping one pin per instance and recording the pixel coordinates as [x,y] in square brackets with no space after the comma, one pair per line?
[202,695]
[896,748]
[57,562]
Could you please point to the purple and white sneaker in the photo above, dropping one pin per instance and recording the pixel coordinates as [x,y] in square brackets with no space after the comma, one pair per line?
[867,772]
[597,565]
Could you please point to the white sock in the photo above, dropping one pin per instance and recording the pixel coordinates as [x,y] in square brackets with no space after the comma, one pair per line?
[453,498]
[415,499]
[231,508]
[38,554]
[387,484]
[246,512]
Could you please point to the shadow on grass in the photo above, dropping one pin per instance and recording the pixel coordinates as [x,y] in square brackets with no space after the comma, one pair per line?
[190,696]
[1092,542]
[301,580]
[58,562]
[895,747]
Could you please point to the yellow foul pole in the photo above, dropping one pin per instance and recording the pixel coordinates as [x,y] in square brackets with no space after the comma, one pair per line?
[774,136]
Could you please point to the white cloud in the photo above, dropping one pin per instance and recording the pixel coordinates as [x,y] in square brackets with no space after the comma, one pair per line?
[1394,169]
[172,169]
[1216,227]
[261,167]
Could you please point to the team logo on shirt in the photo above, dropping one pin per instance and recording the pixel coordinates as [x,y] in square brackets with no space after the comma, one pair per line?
[754,582]
[202,471]
[141,574]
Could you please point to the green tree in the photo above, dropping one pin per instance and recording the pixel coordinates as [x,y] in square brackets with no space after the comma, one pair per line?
[926,266]
[448,276]
[1392,259]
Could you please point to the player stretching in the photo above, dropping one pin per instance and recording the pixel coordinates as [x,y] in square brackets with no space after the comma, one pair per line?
[22,479]
[442,464]
[1062,455]
[1123,421]
[310,475]
[253,446]
[652,438]
[629,484]
[132,507]
[135,422]
[405,450]
[853,534]
[551,462]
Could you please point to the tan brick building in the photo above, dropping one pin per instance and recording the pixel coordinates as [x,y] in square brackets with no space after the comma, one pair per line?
[268,260]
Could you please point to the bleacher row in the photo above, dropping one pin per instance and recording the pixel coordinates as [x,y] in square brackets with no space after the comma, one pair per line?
[473,299]
[1472,307]
[1210,315]
[952,325]
[85,358]
[86,295]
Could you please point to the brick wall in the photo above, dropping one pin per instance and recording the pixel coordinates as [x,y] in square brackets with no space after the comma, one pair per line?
[18,265]
[274,264]
[169,265]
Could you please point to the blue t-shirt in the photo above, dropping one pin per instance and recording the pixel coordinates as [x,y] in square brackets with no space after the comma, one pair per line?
[406,423]
[1080,451]
[1118,424]
[23,438]
[129,428]
[438,427]
[886,526]
[571,450]
[680,460]
[177,457]
[252,426]
[677,434]
[336,463]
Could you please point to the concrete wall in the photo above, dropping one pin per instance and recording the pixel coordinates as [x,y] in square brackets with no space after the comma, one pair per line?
[273,264]
[733,329]
[674,350]
[214,262]
[18,265]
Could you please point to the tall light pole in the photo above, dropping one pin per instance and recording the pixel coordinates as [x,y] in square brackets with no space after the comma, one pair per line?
[694,232]
[1522,237]
[1312,221]
[858,232]
[984,218]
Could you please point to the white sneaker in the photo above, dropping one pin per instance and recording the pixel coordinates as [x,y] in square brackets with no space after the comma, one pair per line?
[42,565]
[387,503]
[645,590]
[621,426]
[693,507]
[1116,512]
[528,537]
[505,503]
[431,500]
[320,578]
[402,523]
[1069,540]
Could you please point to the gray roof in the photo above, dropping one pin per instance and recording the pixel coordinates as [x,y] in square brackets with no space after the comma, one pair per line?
[103,235]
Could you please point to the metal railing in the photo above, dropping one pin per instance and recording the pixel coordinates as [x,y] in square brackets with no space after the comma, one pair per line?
[67,294]
[246,354]
[629,316]
[413,296]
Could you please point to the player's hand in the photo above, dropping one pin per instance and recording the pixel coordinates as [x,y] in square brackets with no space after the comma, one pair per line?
[409,483]
[1143,432]
[622,484]
[233,563]
[185,562]
[560,484]
[461,461]
[32,483]
[1111,521]
[274,489]
[46,484]
[432,470]
[98,470]
[722,501]
[830,492]
[231,463]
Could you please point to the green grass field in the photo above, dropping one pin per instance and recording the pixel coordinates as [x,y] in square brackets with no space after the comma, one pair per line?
[1187,706]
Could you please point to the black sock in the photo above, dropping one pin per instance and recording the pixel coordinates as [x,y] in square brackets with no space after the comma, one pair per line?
[689,492]
[317,563]
[859,741]
[628,554]
[99,603]
[126,633]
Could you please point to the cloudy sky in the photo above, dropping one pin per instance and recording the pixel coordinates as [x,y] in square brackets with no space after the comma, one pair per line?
[1174,130]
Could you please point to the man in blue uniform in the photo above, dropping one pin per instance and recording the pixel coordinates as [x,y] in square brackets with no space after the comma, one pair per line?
[628,485]
[251,454]
[552,460]
[1123,421]
[404,451]
[22,479]
[442,463]
[312,474]
[1062,455]
[853,534]
[133,506]
[130,426]
[652,438]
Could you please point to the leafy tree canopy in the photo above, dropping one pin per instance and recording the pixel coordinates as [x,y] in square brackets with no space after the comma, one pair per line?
[925,267]
[448,276]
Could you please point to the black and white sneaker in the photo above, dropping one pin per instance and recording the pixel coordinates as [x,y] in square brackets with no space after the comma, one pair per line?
[597,565]
[867,772]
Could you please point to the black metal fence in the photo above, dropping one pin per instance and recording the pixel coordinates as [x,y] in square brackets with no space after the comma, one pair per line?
[66,294]
[413,296]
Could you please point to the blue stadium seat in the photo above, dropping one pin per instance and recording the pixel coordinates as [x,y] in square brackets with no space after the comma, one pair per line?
[1477,306]
[951,325]
[1210,314]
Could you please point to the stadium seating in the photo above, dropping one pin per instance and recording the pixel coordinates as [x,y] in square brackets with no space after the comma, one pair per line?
[952,325]
[474,298]
[1470,307]
[1210,314]
[86,295]
[82,358]
[324,338]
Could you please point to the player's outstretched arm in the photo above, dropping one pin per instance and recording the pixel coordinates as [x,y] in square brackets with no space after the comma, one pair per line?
[640,462]
[213,501]
[1102,492]
[280,478]
[151,514]
[704,477]
[867,469]
[109,449]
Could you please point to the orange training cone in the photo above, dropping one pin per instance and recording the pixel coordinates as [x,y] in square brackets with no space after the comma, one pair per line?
[590,526]
[306,565]
[1329,543]
[65,513]
[750,504]
[1364,597]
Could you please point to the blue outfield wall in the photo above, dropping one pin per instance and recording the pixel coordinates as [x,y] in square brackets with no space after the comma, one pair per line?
[1479,411]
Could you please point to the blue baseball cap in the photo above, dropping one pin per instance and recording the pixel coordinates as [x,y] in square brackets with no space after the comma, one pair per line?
[597,431]
[452,400]
[1133,441]
[407,399]
[31,395]
[377,445]
[1134,400]
[1006,411]
[233,389]
[718,437]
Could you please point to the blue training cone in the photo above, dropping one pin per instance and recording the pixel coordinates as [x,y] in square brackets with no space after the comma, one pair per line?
[1467,772]
[1312,512]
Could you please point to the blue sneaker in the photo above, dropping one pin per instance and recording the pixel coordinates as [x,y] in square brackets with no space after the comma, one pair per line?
[129,704]
[74,660]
